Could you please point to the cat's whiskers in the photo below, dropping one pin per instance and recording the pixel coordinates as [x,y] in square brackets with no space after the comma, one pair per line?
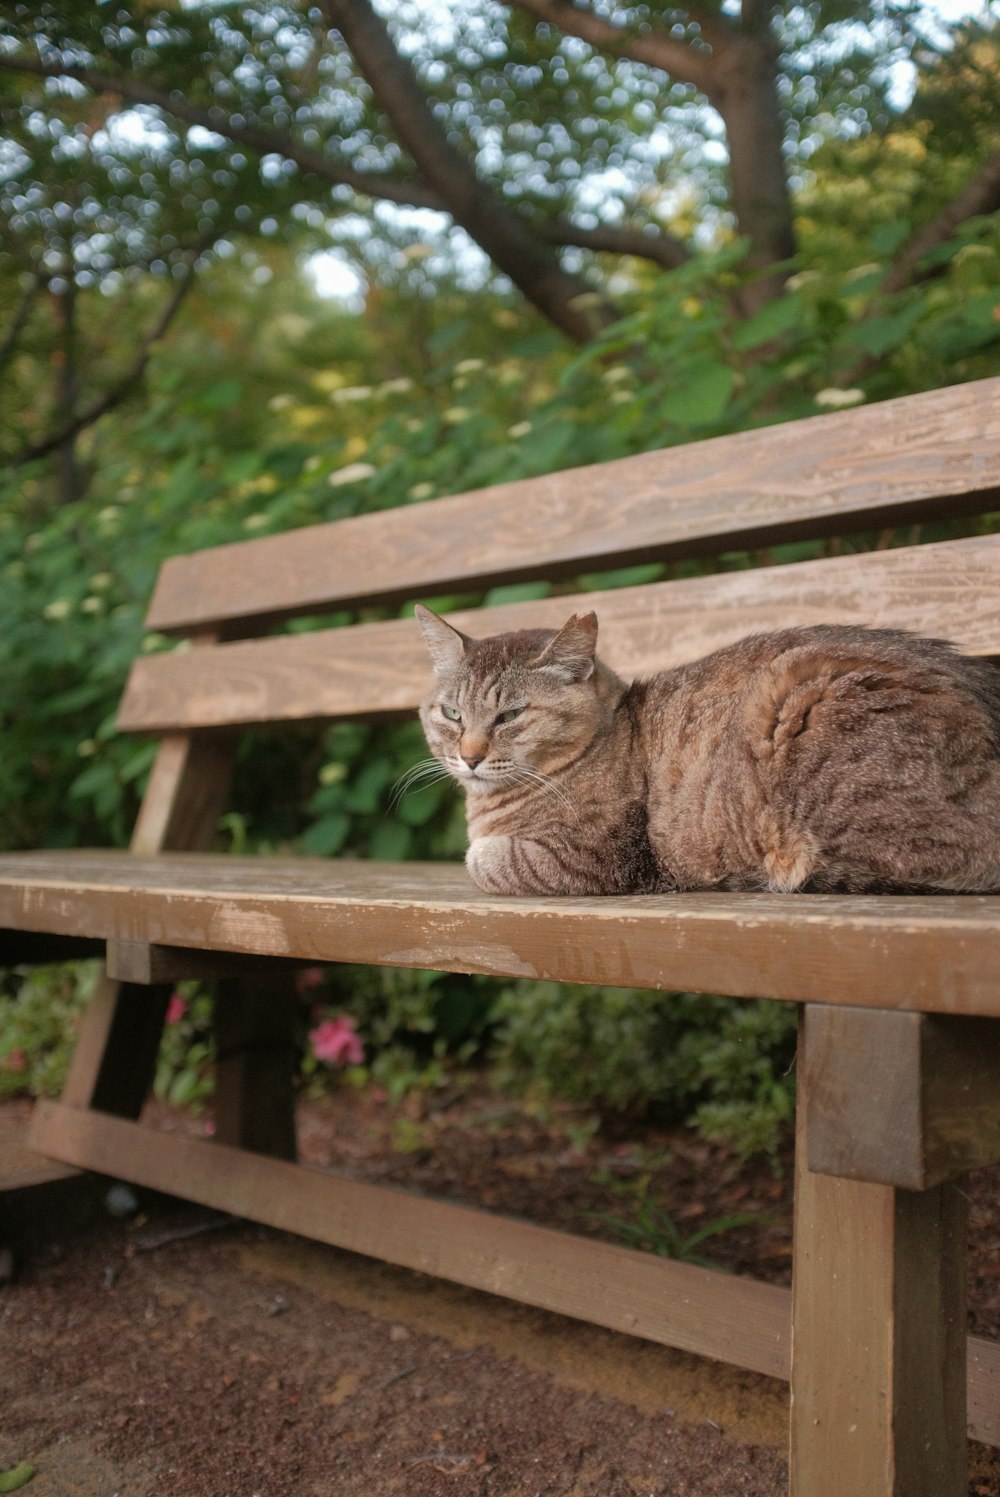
[424,772]
[527,774]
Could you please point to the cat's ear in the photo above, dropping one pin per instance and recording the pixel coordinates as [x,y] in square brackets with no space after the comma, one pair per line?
[570,655]
[447,645]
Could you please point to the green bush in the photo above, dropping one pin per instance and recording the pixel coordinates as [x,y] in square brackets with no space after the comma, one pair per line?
[723,1064]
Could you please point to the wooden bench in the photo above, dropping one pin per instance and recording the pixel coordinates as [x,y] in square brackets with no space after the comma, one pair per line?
[898,1067]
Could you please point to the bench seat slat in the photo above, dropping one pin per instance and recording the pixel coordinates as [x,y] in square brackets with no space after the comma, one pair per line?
[932,454]
[931,954]
[950,588]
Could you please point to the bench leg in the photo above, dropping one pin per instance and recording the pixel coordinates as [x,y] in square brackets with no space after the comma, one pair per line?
[878,1336]
[114,1061]
[255,1063]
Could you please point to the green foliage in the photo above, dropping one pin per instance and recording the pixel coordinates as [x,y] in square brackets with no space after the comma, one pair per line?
[39,1015]
[720,1063]
[184,1075]
[651,1229]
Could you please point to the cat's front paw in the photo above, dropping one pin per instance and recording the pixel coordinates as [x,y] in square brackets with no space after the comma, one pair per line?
[489,861]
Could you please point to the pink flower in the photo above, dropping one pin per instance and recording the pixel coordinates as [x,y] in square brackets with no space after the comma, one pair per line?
[310,977]
[176,1009]
[337,1042]
[17,1060]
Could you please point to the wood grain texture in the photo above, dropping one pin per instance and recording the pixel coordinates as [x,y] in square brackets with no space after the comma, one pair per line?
[677,1304]
[925,455]
[932,953]
[736,1320]
[950,589]
[141,962]
[879,1358]
[256,1054]
[900,1099]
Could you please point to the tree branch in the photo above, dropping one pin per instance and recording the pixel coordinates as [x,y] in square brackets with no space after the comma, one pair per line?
[661,248]
[259,138]
[980,195]
[117,392]
[501,231]
[21,314]
[680,59]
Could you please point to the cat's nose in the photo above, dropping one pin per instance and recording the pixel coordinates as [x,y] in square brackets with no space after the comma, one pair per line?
[473,760]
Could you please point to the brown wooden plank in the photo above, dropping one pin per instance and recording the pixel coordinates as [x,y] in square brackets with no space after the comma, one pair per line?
[148,964]
[931,953]
[736,1320]
[901,1099]
[187,790]
[255,1056]
[114,1059]
[928,454]
[714,1314]
[950,589]
[983,1390]
[879,1362]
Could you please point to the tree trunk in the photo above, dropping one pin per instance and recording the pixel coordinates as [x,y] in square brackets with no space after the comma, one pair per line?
[66,382]
[501,232]
[744,91]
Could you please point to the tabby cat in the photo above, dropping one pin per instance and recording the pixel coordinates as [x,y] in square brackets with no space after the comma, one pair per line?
[816,759]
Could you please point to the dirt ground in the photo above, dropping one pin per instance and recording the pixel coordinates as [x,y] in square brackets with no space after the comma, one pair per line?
[173,1353]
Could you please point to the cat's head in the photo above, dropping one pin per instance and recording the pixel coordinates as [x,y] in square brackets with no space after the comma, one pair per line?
[511,704]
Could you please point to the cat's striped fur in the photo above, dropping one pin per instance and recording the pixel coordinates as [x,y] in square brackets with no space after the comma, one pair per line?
[823,758]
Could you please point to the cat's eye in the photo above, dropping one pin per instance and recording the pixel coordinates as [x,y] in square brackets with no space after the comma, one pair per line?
[509,715]
[451,713]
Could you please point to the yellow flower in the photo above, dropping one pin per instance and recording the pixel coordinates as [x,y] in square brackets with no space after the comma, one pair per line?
[835,400]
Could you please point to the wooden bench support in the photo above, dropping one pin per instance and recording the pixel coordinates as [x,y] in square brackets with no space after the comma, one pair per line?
[736,1320]
[148,963]
[878,1339]
[114,1061]
[901,1099]
[694,1309]
[255,1063]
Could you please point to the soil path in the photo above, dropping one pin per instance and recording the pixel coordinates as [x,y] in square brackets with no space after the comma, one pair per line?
[138,1359]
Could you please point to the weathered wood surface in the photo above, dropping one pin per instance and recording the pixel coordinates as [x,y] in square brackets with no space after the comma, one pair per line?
[900,1099]
[930,454]
[952,588]
[938,954]
[879,1357]
[736,1320]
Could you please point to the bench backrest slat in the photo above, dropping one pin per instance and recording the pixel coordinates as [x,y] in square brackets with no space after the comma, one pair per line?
[950,588]
[920,457]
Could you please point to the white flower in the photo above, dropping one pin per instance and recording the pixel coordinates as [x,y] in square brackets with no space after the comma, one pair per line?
[101,581]
[520,429]
[456,414]
[92,605]
[60,608]
[280,402]
[256,522]
[420,491]
[353,473]
[470,366]
[395,386]
[350,393]
[835,400]
[613,376]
